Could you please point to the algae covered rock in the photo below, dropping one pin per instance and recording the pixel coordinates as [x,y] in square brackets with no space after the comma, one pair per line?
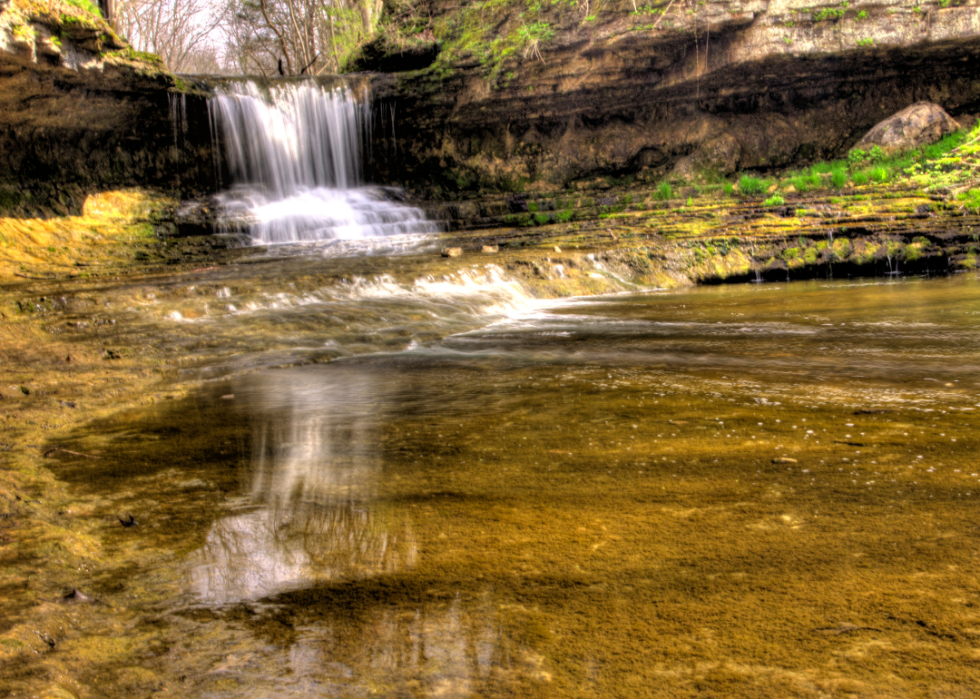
[917,125]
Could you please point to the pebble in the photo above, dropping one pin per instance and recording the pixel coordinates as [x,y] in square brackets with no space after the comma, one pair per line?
[452,252]
[784,460]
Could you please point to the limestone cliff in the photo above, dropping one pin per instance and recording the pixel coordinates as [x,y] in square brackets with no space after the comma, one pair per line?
[80,111]
[524,96]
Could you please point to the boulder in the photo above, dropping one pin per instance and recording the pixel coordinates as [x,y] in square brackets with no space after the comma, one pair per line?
[917,125]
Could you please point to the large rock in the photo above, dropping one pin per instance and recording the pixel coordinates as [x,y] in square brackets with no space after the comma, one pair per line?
[917,125]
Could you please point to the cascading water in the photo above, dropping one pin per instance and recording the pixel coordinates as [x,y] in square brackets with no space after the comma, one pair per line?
[294,154]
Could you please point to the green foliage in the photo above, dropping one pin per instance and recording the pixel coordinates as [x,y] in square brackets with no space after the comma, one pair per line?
[537,31]
[860,178]
[532,206]
[749,186]
[866,42]
[542,219]
[729,189]
[856,156]
[89,7]
[970,200]
[828,13]
[665,191]
[879,175]
[863,15]
[839,177]
[564,216]
[774,200]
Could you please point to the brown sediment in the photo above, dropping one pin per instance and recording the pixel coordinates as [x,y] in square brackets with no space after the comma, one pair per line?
[660,558]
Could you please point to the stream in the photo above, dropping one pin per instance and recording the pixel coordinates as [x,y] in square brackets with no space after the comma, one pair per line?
[366,470]
[759,490]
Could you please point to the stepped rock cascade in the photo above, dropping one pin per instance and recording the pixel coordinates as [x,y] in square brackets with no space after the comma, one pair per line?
[294,154]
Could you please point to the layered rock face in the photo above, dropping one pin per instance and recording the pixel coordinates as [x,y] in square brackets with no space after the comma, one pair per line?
[502,94]
[686,88]
[81,112]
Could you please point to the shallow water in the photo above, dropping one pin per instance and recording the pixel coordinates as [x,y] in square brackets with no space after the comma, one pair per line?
[767,490]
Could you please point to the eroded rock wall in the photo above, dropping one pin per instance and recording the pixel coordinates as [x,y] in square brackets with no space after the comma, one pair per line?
[708,88]
[81,112]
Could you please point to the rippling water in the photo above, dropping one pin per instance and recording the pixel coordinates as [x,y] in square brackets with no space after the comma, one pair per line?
[767,490]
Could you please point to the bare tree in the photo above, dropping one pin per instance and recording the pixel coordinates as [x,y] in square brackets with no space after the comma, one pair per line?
[295,37]
[180,31]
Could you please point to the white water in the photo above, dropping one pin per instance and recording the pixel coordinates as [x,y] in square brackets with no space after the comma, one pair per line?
[295,158]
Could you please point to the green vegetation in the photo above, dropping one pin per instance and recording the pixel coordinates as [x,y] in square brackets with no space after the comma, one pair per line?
[838,177]
[749,186]
[866,42]
[970,200]
[774,200]
[495,32]
[665,191]
[828,13]
[89,7]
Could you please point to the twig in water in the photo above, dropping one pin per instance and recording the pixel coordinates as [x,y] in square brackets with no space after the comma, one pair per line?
[49,452]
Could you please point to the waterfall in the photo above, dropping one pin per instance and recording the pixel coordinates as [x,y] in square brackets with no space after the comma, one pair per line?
[294,156]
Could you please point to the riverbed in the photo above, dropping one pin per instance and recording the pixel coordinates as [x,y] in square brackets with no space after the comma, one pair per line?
[754,490]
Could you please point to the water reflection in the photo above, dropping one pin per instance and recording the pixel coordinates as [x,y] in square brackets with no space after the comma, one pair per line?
[457,648]
[310,514]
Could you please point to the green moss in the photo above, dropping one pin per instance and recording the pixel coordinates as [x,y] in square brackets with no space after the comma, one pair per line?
[867,255]
[912,252]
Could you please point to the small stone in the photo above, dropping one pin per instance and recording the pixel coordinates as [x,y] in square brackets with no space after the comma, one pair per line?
[783,460]
[677,422]
[557,249]
[452,252]
[490,248]
[789,189]
[76,596]
[772,188]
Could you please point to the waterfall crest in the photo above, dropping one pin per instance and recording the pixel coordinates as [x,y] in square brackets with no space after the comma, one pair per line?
[294,155]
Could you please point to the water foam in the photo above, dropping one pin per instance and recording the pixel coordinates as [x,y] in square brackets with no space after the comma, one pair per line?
[294,155]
